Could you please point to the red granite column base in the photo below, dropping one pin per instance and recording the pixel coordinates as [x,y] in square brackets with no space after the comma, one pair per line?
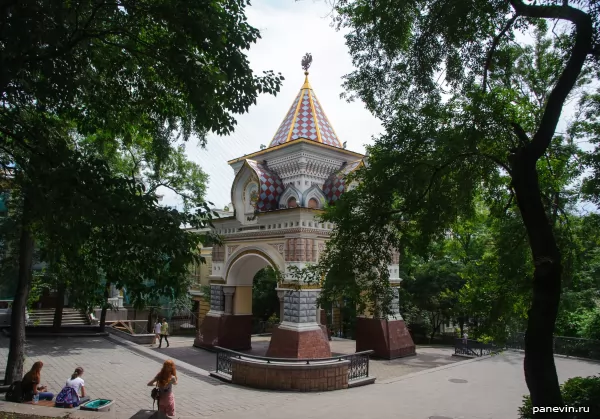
[389,339]
[286,343]
[207,336]
[230,332]
[324,325]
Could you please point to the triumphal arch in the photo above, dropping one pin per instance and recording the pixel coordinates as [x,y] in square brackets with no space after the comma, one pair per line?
[277,195]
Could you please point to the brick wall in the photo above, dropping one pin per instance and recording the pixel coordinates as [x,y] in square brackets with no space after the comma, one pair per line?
[298,377]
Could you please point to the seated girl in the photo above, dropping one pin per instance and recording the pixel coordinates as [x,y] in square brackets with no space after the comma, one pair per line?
[30,384]
[77,383]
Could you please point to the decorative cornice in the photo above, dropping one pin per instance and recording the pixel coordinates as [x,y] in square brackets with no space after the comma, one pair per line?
[276,232]
[269,150]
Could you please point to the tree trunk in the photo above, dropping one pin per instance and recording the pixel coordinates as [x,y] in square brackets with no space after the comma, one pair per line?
[540,370]
[104,307]
[60,304]
[16,352]
[150,322]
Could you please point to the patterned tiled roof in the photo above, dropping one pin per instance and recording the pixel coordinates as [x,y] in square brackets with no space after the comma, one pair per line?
[306,119]
[335,185]
[269,189]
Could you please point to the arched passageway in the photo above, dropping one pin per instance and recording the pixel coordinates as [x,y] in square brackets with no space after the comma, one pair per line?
[230,319]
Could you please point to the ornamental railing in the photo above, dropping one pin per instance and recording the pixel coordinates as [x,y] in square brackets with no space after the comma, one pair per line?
[358,368]
[469,347]
[563,345]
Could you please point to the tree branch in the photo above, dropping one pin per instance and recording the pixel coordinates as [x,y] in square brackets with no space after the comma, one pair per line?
[495,43]
[520,133]
[448,163]
[583,44]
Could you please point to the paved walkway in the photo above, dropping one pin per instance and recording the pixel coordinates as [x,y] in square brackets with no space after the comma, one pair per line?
[473,389]
[427,356]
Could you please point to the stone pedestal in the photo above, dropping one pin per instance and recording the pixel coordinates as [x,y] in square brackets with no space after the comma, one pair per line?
[222,328]
[227,331]
[299,335]
[388,338]
[288,343]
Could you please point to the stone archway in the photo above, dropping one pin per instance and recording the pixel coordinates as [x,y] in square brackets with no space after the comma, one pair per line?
[229,322]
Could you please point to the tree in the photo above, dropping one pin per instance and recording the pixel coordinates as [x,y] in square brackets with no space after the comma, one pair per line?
[112,69]
[434,290]
[265,302]
[478,132]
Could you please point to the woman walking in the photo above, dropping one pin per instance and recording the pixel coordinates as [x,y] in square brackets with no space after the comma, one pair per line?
[157,327]
[30,384]
[164,332]
[164,381]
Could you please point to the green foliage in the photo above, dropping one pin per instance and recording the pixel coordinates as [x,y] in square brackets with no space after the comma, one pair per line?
[205,289]
[265,302]
[434,291]
[470,113]
[576,392]
[97,99]
[591,325]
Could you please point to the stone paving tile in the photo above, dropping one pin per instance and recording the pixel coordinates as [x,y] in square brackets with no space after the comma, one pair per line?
[489,388]
[113,371]
[493,389]
[427,356]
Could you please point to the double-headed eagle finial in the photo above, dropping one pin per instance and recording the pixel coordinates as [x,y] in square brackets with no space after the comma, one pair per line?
[306,62]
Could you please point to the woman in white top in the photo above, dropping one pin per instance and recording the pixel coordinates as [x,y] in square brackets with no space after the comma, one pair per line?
[77,384]
[157,327]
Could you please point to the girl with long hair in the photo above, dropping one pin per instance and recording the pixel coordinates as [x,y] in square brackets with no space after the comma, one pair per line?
[77,384]
[31,384]
[164,381]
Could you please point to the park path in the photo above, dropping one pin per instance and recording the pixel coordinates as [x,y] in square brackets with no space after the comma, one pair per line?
[473,389]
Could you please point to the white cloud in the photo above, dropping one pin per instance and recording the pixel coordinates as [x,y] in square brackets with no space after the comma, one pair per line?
[289,30]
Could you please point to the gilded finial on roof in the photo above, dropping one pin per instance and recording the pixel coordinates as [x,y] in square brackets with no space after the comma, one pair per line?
[306,62]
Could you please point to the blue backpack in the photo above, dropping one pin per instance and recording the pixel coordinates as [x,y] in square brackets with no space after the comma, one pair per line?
[67,397]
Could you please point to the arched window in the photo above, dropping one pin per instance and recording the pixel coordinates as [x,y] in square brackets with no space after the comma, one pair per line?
[292,203]
[312,203]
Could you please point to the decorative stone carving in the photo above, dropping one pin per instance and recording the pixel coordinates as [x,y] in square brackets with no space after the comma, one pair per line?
[217,302]
[300,250]
[231,249]
[321,247]
[228,294]
[218,253]
[280,247]
[300,306]
[395,305]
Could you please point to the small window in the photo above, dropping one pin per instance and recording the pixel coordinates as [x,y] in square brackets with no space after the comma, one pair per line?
[292,203]
[312,203]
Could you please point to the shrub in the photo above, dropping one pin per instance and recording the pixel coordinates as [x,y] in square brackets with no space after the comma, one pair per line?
[576,392]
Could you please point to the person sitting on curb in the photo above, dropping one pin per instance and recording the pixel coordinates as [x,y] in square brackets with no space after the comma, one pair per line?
[31,387]
[77,384]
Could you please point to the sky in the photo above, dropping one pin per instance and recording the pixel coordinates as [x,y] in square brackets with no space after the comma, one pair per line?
[289,29]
